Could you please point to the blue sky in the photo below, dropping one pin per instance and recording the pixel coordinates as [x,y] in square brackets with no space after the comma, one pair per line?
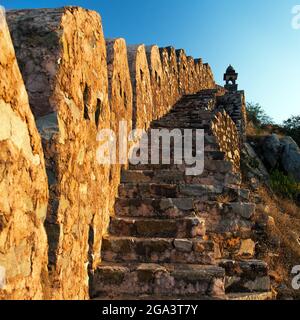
[255,36]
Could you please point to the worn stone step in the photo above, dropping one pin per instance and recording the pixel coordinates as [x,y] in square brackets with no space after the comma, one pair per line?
[157,190]
[246,276]
[190,227]
[176,173]
[230,220]
[168,280]
[172,207]
[157,250]
[183,126]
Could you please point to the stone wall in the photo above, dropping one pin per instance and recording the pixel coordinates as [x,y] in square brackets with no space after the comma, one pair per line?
[224,129]
[234,104]
[141,85]
[120,96]
[183,72]
[170,69]
[62,54]
[158,81]
[23,185]
[77,85]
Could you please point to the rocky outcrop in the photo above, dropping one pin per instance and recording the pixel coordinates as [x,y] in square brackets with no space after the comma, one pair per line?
[271,150]
[290,158]
[281,153]
[23,185]
[63,57]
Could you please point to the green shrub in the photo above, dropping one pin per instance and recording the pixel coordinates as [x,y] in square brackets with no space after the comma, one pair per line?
[257,115]
[284,185]
[292,128]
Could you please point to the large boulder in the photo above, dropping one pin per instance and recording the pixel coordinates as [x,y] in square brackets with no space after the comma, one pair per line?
[290,158]
[271,151]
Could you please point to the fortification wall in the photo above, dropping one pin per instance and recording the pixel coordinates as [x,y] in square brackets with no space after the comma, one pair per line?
[224,129]
[23,185]
[77,85]
[63,57]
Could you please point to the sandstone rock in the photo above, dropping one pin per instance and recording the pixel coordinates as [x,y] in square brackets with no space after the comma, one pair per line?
[120,96]
[247,248]
[158,82]
[290,157]
[23,185]
[141,85]
[63,57]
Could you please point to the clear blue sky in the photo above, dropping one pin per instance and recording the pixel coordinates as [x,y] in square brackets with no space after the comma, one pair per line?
[255,36]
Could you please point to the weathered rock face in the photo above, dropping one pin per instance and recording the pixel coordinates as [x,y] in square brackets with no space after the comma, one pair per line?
[183,72]
[281,153]
[158,82]
[141,85]
[271,151]
[170,69]
[23,185]
[290,158]
[120,96]
[225,131]
[63,57]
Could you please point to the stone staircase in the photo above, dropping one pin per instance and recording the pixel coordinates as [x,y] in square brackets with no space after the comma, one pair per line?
[161,242]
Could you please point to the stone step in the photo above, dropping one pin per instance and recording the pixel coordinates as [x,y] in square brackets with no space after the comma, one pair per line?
[246,276]
[157,190]
[157,250]
[190,227]
[175,173]
[183,126]
[230,220]
[168,280]
[173,207]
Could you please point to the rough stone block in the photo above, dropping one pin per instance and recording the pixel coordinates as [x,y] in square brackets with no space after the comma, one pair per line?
[141,85]
[23,185]
[183,72]
[120,96]
[170,69]
[62,54]
[158,82]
